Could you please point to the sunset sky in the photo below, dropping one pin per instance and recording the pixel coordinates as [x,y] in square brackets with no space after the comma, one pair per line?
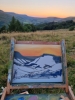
[40,8]
[37,50]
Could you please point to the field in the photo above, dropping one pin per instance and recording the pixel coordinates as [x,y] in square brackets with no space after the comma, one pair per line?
[55,35]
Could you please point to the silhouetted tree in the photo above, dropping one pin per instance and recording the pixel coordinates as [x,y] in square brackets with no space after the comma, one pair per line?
[19,26]
[12,25]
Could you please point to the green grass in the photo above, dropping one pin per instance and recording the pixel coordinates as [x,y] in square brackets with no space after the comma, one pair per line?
[56,35]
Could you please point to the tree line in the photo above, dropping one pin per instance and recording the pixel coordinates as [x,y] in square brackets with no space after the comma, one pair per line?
[16,25]
[57,25]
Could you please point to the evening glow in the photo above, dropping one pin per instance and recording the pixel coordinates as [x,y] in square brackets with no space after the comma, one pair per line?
[40,8]
[37,50]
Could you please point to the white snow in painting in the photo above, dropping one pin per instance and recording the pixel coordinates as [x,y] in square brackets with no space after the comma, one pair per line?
[45,68]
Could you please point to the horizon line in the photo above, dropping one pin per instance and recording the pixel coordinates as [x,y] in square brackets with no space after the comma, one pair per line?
[35,15]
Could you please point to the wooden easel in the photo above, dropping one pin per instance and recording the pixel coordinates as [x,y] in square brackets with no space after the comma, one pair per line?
[64,85]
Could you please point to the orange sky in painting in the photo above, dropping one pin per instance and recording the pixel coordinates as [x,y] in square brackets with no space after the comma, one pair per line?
[37,50]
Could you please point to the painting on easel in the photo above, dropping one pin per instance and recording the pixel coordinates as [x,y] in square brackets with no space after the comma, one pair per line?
[37,63]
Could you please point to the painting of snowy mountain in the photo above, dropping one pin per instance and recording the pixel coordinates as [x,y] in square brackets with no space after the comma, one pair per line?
[43,68]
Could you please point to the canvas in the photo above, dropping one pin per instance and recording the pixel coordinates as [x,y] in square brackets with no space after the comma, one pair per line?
[37,63]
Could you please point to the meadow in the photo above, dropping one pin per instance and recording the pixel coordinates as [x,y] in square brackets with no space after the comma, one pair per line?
[54,35]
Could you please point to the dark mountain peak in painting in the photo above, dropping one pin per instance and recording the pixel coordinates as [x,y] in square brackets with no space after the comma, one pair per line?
[20,56]
[35,60]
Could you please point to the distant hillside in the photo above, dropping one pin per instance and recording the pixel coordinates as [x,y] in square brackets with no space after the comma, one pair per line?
[68,18]
[57,25]
[5,18]
[33,20]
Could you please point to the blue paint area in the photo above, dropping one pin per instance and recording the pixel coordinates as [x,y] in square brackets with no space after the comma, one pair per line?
[21,98]
[57,59]
[35,68]
[54,74]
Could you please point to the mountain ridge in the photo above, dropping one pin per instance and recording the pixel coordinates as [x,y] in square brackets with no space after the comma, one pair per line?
[5,18]
[35,59]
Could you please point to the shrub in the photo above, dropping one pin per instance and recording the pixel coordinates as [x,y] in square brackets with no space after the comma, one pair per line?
[71,28]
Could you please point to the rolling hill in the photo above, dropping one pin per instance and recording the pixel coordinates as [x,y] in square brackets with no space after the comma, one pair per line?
[33,20]
[5,18]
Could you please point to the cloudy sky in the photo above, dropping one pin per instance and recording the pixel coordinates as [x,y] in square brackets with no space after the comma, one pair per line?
[40,8]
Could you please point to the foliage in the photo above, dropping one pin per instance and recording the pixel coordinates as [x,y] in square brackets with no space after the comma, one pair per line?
[71,28]
[3,29]
[16,25]
[56,25]
[29,27]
